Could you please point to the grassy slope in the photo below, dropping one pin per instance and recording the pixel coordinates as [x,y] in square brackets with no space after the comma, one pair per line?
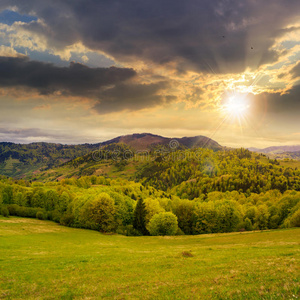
[106,168]
[42,260]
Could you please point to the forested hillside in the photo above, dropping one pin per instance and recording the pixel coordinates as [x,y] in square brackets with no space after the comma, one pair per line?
[193,173]
[29,160]
[165,190]
[20,160]
[182,192]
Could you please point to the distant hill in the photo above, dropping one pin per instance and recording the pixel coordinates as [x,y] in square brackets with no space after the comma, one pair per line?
[25,160]
[142,141]
[146,141]
[277,149]
[18,160]
[292,155]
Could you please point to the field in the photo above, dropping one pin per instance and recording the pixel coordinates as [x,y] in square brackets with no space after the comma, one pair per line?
[43,260]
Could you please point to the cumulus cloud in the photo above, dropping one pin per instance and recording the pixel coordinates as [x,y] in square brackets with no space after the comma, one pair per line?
[203,35]
[8,51]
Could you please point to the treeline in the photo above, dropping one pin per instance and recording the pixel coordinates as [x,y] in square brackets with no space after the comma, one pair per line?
[192,173]
[130,208]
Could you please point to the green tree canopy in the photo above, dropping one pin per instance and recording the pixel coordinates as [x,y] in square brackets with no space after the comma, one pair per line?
[164,223]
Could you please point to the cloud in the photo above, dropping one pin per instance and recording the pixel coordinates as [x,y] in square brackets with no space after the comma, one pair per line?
[296,71]
[279,104]
[204,36]
[113,89]
[25,135]
[46,78]
[133,97]
[9,52]
[42,107]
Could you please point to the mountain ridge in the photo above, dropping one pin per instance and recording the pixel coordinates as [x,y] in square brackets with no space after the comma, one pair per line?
[24,160]
[145,141]
[276,149]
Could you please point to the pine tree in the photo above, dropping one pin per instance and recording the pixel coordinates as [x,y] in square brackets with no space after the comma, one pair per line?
[139,217]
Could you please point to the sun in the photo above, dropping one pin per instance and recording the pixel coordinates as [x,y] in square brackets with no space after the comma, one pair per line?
[236,106]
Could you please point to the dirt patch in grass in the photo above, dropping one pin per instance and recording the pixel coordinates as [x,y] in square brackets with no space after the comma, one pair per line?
[17,220]
[187,254]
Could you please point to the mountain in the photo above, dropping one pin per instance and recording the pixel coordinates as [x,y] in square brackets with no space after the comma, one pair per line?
[147,141]
[26,160]
[277,149]
[138,141]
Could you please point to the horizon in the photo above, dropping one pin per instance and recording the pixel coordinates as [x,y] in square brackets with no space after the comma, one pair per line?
[148,133]
[228,72]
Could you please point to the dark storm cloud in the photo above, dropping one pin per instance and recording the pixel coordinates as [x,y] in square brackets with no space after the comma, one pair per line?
[288,103]
[199,35]
[111,87]
[77,79]
[133,97]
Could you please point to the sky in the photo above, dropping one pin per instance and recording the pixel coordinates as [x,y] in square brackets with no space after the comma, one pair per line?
[85,71]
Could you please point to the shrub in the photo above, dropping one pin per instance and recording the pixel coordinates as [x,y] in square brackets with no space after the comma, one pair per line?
[128,230]
[67,219]
[31,212]
[4,211]
[12,208]
[164,223]
[179,232]
[40,215]
[54,216]
[21,211]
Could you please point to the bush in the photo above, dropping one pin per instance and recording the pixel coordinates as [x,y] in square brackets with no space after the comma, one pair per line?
[128,230]
[54,215]
[31,212]
[67,219]
[4,211]
[40,215]
[13,208]
[179,232]
[164,223]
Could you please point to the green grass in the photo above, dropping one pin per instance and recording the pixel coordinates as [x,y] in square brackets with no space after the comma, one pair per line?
[42,260]
[290,163]
[102,168]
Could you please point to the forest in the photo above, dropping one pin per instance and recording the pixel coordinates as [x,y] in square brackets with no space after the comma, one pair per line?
[181,192]
[16,160]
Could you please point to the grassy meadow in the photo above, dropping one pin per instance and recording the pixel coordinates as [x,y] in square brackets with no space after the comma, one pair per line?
[43,260]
